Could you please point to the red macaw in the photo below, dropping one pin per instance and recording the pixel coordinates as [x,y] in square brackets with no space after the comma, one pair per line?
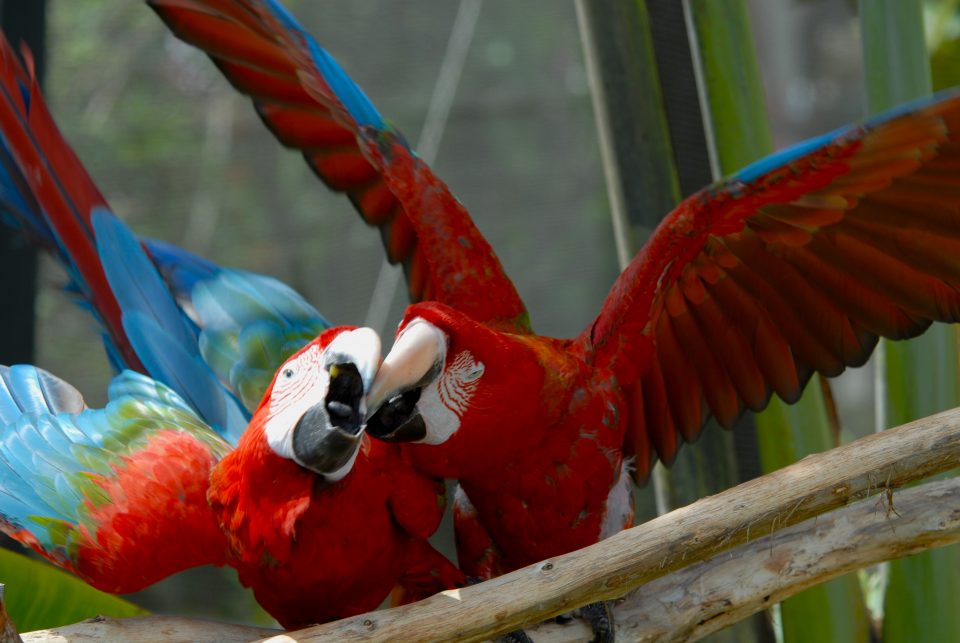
[110,493]
[796,264]
[318,520]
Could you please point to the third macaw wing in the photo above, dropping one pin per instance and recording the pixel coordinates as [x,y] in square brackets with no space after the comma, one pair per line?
[45,190]
[310,104]
[208,332]
[117,495]
[248,324]
[795,264]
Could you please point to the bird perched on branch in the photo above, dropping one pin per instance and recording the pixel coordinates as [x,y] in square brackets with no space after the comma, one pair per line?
[795,265]
[318,520]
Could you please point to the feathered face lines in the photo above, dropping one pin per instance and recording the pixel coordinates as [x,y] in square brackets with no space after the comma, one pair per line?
[297,379]
[315,409]
[421,392]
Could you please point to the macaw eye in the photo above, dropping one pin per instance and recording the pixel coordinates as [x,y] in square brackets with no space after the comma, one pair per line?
[288,373]
[474,373]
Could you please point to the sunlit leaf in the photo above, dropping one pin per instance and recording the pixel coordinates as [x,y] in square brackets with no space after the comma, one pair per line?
[921,375]
[834,611]
[40,596]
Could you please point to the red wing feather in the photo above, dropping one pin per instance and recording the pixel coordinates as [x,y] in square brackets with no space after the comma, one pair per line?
[155,519]
[64,192]
[310,106]
[117,495]
[795,265]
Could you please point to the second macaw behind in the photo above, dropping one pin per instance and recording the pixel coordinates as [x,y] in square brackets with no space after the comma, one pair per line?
[318,520]
[795,265]
[126,495]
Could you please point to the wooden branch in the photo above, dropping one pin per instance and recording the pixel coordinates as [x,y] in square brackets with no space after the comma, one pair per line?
[711,594]
[8,631]
[706,594]
[689,603]
[149,629]
[608,570]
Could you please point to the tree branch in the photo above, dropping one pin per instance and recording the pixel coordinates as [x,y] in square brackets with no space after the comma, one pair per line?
[8,631]
[149,629]
[610,569]
[721,578]
[710,595]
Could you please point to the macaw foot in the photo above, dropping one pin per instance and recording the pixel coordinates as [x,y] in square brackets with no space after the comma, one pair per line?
[516,636]
[599,616]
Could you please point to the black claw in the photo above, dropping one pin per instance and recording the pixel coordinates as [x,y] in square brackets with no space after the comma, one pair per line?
[516,636]
[600,618]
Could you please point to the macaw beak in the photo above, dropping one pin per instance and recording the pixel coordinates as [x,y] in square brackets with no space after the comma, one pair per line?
[328,435]
[415,360]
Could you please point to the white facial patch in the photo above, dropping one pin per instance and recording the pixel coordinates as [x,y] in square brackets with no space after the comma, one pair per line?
[443,402]
[301,383]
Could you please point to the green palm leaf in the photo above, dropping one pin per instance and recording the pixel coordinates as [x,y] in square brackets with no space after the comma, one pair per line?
[921,376]
[740,134]
[39,596]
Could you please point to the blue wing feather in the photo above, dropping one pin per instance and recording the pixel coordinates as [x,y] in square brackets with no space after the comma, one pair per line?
[139,291]
[133,278]
[360,107]
[157,328]
[787,155]
[248,323]
[47,452]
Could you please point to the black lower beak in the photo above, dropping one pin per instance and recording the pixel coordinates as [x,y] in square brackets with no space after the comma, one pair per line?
[344,398]
[398,420]
[328,435]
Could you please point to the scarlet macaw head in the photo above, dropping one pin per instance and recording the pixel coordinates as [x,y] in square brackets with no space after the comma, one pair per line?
[314,409]
[455,384]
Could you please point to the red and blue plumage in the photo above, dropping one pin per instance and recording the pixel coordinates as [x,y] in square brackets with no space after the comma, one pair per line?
[110,493]
[310,104]
[107,493]
[45,190]
[794,265]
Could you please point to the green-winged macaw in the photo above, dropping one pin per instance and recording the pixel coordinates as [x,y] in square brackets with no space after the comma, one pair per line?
[252,447]
[794,265]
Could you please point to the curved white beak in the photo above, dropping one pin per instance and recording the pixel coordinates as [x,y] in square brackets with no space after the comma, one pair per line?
[327,438]
[419,349]
[360,347]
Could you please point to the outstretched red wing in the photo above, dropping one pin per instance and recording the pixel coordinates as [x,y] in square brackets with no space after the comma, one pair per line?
[310,104]
[796,264]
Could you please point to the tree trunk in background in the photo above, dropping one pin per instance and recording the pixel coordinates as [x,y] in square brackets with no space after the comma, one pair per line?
[654,152]
[685,121]
[23,21]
